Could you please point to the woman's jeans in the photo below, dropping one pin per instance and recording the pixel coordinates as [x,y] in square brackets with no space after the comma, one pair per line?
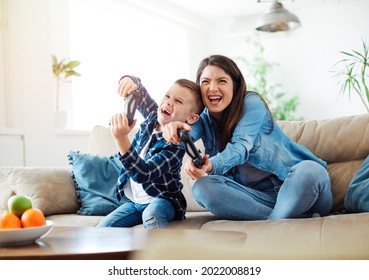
[156,214]
[306,190]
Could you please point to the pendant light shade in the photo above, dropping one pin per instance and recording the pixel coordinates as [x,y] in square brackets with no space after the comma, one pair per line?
[277,19]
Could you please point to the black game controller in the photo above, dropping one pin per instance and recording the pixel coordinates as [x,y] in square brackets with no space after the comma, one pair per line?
[130,106]
[191,149]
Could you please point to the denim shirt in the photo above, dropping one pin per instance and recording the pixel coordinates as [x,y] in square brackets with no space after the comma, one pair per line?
[251,143]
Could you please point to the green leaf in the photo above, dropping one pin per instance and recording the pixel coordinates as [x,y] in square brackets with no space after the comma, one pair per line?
[55,60]
[63,70]
[352,77]
[346,53]
[359,54]
[72,64]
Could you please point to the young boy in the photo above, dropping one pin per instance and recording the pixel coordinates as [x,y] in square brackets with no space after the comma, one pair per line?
[150,174]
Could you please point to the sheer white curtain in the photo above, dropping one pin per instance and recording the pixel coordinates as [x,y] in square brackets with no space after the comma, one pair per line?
[113,38]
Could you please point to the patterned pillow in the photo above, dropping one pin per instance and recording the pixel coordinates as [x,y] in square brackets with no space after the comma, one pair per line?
[95,178]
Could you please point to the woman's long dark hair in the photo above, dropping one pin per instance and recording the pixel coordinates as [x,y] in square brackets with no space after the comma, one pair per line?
[233,113]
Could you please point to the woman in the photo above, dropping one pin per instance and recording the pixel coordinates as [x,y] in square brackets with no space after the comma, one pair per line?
[255,171]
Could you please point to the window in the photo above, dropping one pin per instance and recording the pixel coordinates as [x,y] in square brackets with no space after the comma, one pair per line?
[112,39]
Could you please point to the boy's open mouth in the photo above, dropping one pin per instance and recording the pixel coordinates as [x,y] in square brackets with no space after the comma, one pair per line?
[165,112]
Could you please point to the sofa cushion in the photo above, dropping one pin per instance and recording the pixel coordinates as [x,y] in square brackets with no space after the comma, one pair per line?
[50,189]
[6,191]
[75,220]
[357,196]
[340,174]
[95,179]
[342,142]
[331,237]
[101,142]
[194,220]
[334,140]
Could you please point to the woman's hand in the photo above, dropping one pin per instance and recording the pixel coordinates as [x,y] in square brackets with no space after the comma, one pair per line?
[126,87]
[170,131]
[195,173]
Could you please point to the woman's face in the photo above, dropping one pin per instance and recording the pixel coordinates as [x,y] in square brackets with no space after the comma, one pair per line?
[216,90]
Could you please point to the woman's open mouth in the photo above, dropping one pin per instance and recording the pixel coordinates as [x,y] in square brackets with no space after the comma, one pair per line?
[214,100]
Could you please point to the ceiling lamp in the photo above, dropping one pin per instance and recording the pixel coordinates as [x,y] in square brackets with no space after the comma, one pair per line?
[277,19]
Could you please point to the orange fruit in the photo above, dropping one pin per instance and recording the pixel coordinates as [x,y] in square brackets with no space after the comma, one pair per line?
[9,220]
[33,217]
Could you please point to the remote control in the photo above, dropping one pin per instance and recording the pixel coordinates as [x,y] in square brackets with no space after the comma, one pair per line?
[130,106]
[191,149]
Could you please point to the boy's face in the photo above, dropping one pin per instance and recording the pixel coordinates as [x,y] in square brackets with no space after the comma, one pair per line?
[177,105]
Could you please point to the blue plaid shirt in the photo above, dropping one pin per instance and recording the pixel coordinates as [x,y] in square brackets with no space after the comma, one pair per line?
[159,171]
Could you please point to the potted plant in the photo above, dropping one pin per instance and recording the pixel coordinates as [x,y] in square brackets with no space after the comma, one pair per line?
[282,105]
[352,73]
[63,70]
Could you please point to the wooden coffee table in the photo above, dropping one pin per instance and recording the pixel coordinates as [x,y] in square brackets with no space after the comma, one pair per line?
[96,243]
[79,243]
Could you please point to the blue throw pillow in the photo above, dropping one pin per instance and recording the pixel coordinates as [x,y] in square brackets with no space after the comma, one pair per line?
[357,196]
[95,178]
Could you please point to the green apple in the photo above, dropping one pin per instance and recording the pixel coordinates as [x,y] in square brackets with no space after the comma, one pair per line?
[17,204]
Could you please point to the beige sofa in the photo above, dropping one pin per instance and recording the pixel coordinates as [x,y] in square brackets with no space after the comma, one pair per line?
[343,142]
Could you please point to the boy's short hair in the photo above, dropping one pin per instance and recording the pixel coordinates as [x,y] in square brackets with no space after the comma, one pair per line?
[194,88]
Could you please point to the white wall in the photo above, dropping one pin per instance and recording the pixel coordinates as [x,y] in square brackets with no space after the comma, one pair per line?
[34,31]
[38,28]
[30,85]
[29,76]
[2,64]
[307,55]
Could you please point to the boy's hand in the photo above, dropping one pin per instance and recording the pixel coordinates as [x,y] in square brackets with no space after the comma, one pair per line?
[170,131]
[119,125]
[120,128]
[126,87]
[194,172]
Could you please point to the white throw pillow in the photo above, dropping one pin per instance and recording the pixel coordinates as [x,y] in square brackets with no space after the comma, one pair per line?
[5,192]
[50,189]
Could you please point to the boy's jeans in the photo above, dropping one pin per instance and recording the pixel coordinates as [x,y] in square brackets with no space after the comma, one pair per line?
[156,214]
[305,191]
